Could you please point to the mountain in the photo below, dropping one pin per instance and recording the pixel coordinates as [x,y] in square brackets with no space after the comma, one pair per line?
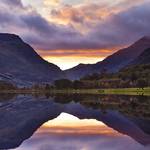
[19,61]
[142,59]
[112,63]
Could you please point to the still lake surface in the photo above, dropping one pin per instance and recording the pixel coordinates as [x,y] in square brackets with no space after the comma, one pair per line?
[74,122]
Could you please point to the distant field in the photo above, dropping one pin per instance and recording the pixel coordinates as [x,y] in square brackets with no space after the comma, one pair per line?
[127,91]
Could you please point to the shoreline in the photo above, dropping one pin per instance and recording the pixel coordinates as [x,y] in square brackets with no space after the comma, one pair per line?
[121,91]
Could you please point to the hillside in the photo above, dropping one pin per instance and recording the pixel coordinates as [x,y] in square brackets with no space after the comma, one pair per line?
[19,61]
[144,58]
[112,63]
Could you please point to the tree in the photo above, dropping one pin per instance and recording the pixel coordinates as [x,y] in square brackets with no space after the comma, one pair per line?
[141,83]
[7,86]
[47,87]
[36,87]
[133,77]
[63,84]
[77,84]
[103,73]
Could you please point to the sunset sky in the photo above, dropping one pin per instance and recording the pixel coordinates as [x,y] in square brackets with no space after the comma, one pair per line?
[69,32]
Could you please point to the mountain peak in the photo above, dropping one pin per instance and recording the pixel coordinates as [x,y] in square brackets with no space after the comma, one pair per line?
[142,43]
[146,37]
[6,37]
[21,61]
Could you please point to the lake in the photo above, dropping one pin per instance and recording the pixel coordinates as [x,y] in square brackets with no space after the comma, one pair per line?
[74,122]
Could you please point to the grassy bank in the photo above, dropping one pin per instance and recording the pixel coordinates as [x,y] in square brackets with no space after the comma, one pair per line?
[124,91]
[127,91]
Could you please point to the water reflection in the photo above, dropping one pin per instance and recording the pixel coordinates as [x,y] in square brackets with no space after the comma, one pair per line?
[70,133]
[68,124]
[81,122]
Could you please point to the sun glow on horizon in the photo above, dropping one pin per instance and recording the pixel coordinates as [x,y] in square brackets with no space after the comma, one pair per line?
[68,59]
[69,62]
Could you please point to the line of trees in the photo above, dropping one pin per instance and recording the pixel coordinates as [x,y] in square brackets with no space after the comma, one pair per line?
[137,76]
[67,84]
[7,86]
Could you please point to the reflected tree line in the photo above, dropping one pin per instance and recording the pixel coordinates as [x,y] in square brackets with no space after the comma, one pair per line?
[137,106]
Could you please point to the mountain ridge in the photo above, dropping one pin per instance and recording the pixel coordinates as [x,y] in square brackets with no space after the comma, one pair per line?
[112,63]
[142,59]
[21,61]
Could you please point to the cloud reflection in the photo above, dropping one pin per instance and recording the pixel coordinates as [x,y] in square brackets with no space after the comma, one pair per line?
[79,136]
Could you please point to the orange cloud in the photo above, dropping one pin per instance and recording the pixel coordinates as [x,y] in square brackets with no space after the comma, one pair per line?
[76,53]
[66,59]
[80,16]
[88,12]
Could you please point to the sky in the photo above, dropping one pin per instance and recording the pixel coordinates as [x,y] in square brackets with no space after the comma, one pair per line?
[69,32]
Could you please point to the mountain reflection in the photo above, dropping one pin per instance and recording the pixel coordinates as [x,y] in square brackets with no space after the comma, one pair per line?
[70,133]
[70,122]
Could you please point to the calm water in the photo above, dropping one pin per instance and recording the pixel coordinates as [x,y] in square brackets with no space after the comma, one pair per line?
[74,122]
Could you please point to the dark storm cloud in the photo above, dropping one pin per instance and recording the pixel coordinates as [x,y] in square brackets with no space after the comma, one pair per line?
[116,30]
[39,24]
[124,27]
